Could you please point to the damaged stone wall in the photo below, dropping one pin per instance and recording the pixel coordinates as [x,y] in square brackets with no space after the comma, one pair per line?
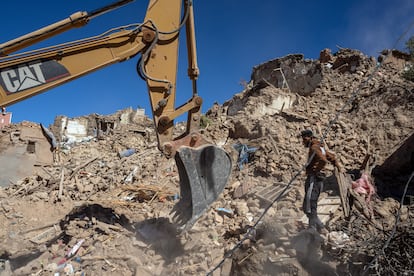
[5,119]
[23,146]
[95,125]
[352,61]
[393,174]
[302,75]
[269,99]
[397,58]
[114,209]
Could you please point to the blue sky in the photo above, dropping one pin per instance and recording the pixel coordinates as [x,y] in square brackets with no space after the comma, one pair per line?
[232,36]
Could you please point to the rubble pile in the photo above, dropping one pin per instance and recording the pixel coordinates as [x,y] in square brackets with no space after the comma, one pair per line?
[100,203]
[385,236]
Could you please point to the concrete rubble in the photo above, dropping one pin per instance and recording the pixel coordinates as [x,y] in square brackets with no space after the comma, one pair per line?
[100,203]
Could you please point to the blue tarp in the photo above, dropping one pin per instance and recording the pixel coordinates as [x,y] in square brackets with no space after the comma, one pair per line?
[244,154]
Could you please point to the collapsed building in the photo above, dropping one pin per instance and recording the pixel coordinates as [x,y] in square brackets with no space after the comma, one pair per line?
[110,211]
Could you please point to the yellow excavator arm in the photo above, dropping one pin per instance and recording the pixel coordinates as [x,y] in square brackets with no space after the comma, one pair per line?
[204,169]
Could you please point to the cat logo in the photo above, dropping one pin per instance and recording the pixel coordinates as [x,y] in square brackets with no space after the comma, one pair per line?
[29,75]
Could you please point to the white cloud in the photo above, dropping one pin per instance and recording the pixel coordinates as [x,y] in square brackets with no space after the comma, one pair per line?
[377,25]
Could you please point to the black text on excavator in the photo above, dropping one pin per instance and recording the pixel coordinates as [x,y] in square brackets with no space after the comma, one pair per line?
[203,168]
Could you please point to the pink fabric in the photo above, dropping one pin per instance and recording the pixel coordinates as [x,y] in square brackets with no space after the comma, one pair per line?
[364,186]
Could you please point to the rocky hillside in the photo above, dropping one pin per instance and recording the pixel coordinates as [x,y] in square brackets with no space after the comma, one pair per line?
[93,209]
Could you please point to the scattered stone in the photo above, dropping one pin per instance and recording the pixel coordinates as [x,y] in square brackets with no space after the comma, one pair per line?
[120,206]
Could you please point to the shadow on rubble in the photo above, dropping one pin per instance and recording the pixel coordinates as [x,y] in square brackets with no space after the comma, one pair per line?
[162,235]
[86,213]
[330,185]
[309,253]
[157,232]
[16,262]
[97,212]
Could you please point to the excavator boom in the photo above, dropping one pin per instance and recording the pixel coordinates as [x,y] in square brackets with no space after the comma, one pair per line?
[203,168]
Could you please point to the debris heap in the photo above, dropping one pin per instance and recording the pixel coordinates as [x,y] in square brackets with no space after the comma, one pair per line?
[100,202]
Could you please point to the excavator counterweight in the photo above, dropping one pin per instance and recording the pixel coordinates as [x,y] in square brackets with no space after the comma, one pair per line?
[203,168]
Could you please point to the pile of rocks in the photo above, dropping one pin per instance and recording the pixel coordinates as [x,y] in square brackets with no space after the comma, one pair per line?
[111,211]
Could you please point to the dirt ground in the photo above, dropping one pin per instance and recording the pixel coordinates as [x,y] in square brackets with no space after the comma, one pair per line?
[90,211]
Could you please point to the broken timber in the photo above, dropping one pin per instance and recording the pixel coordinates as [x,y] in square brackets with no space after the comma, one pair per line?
[344,182]
[326,208]
[270,193]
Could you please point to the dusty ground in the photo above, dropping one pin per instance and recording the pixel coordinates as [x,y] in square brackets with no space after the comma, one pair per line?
[94,213]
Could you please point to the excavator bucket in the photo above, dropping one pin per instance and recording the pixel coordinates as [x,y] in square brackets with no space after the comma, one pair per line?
[203,172]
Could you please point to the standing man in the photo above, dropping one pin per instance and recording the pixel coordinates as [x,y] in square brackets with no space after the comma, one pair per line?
[318,157]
